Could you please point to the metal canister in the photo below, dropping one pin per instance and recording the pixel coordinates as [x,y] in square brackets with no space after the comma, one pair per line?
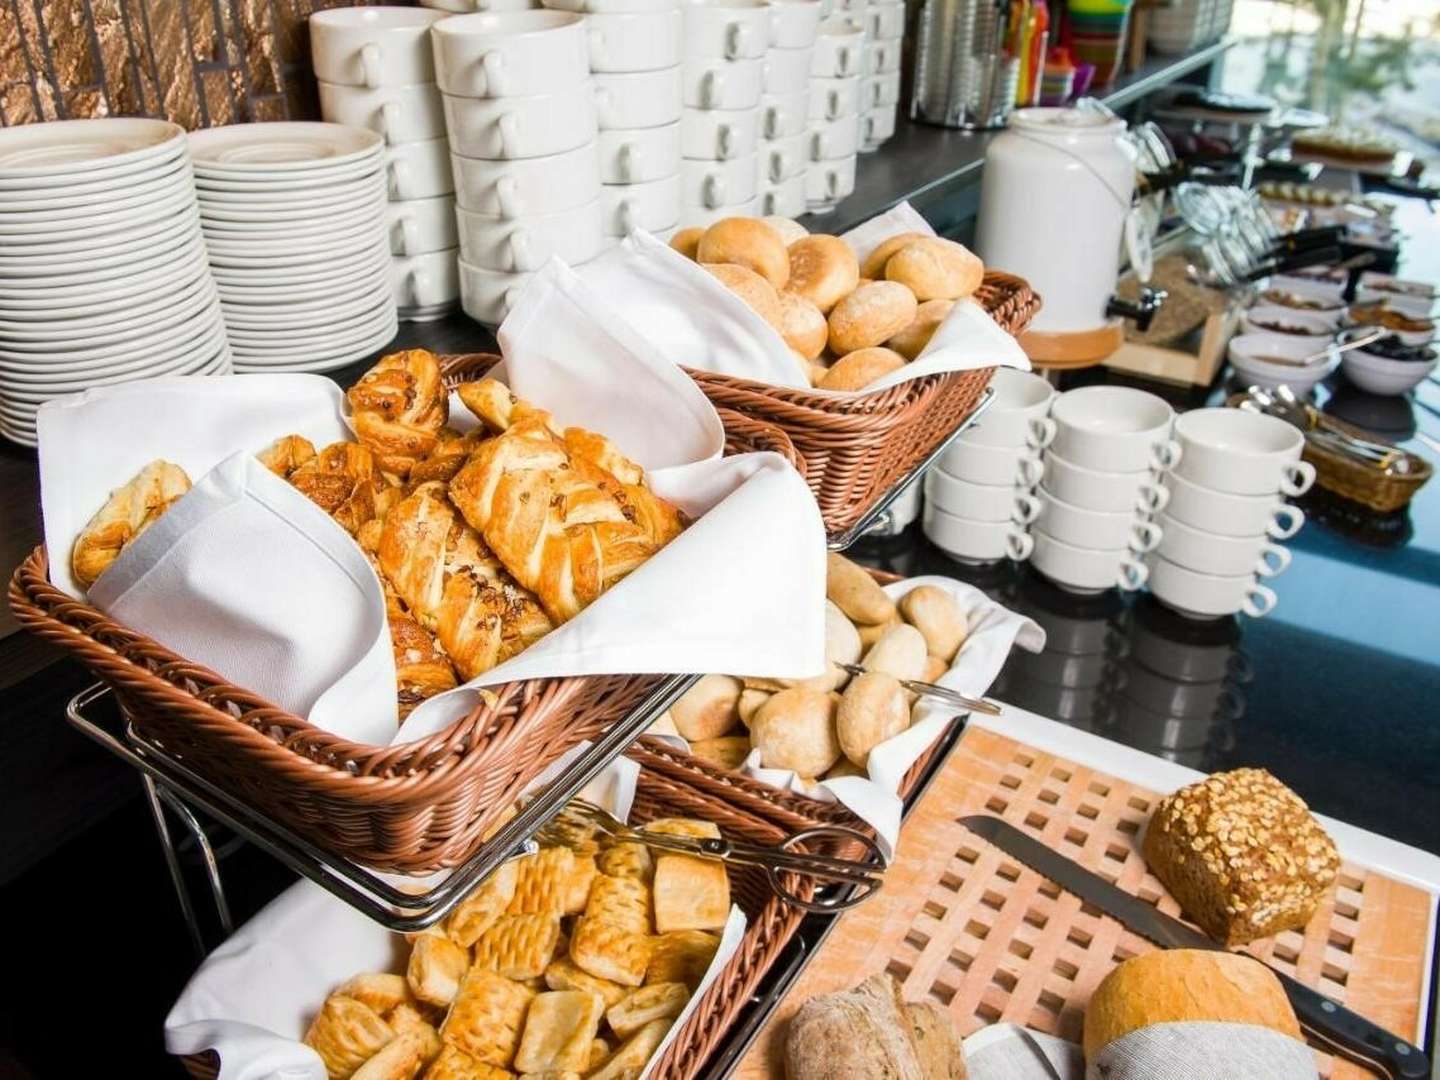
[964,76]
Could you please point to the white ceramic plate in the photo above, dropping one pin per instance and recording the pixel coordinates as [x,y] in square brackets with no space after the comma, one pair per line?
[206,355]
[309,181]
[124,329]
[153,303]
[295,146]
[315,295]
[283,317]
[111,255]
[159,347]
[96,192]
[92,241]
[262,200]
[283,249]
[67,148]
[86,300]
[267,277]
[45,284]
[121,200]
[329,225]
[105,222]
[323,338]
[317,360]
[274,217]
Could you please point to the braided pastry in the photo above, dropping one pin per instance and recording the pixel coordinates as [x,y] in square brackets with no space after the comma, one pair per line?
[128,512]
[450,453]
[398,408]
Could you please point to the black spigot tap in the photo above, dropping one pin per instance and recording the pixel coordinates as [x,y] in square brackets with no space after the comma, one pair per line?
[1142,311]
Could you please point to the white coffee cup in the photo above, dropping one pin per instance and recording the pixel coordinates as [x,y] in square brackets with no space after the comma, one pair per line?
[992,464]
[782,116]
[538,185]
[419,170]
[401,113]
[881,57]
[876,125]
[1095,529]
[885,20]
[526,244]
[883,89]
[794,23]
[510,53]
[835,139]
[373,46]
[1232,515]
[425,280]
[634,41]
[468,7]
[719,134]
[502,129]
[1114,429]
[787,71]
[1208,596]
[1107,492]
[980,502]
[829,181]
[726,29]
[486,295]
[709,185]
[1016,416]
[784,159]
[637,155]
[722,84]
[605,7]
[640,99]
[784,199]
[975,541]
[652,206]
[419,226]
[1211,553]
[839,48]
[830,99]
[1242,453]
[1086,570]
[703,218]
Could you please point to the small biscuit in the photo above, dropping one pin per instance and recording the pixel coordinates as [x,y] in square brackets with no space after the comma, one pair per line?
[870,315]
[758,293]
[874,264]
[936,269]
[857,370]
[911,341]
[747,242]
[823,270]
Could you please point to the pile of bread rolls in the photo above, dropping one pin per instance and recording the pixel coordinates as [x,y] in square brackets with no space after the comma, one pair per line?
[826,726]
[848,323]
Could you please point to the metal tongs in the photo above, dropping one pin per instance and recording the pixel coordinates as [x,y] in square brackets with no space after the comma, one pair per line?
[939,693]
[580,819]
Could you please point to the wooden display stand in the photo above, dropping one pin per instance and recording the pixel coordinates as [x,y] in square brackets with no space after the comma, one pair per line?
[1178,365]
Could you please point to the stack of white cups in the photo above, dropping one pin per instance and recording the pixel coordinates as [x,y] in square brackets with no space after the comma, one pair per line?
[833,111]
[784,143]
[723,78]
[880,95]
[520,109]
[375,69]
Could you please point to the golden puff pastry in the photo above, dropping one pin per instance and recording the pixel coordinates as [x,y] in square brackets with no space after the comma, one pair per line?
[422,669]
[542,882]
[436,967]
[599,1051]
[478,911]
[661,521]
[286,454]
[519,946]
[452,449]
[346,1033]
[128,512]
[403,1056]
[486,1017]
[343,481]
[681,956]
[659,1001]
[629,1061]
[612,938]
[577,886]
[406,1015]
[564,974]
[455,1064]
[558,1030]
[627,859]
[382,992]
[398,409]
[497,408]
[690,893]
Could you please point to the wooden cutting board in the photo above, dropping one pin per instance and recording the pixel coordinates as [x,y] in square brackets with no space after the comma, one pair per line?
[960,923]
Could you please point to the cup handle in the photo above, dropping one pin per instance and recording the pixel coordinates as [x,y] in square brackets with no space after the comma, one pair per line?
[419,287]
[370,65]
[1152,499]
[492,70]
[869,132]
[712,89]
[1027,508]
[1019,545]
[1231,704]
[1042,433]
[737,40]
[1029,472]
[817,146]
[712,192]
[771,121]
[1132,575]
[389,120]
[1297,478]
[1259,601]
[1145,537]
[1274,560]
[400,185]
[1286,521]
[768,202]
[596,41]
[844,59]
[627,217]
[505,195]
[409,234]
[509,125]
[781,166]
[832,106]
[1165,455]
[632,159]
[522,252]
[832,184]
[725,142]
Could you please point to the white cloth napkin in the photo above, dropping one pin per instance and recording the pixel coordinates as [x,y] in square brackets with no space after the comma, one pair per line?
[1011,1052]
[1201,1049]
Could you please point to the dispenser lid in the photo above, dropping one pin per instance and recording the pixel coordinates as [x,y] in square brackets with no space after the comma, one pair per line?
[1066,121]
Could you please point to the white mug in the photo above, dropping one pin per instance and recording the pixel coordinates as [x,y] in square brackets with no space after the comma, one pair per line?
[787,71]
[975,541]
[830,99]
[1095,529]
[876,126]
[992,464]
[425,280]
[726,29]
[510,53]
[881,57]
[719,134]
[722,84]
[885,20]
[702,218]
[1016,415]
[634,41]
[839,48]
[1114,429]
[486,295]
[784,159]
[637,155]
[401,113]
[538,185]
[980,502]
[1210,553]
[783,199]
[1107,492]
[794,23]
[829,181]
[881,90]
[782,116]
[419,226]
[640,99]
[1242,453]
[419,170]
[835,139]
[1087,570]
[526,244]
[373,46]
[501,129]
[709,185]
[1232,515]
[652,206]
[1208,596]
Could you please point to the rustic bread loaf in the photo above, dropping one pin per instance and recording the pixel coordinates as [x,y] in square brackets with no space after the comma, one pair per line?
[871,1032]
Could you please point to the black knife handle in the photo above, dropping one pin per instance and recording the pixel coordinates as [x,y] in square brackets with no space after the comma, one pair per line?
[1353,1037]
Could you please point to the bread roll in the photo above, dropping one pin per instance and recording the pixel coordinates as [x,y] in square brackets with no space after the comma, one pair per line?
[871,633]
[795,730]
[900,652]
[933,612]
[708,709]
[725,752]
[874,265]
[1171,985]
[934,668]
[664,725]
[842,640]
[937,1041]
[787,229]
[802,326]
[863,1032]
[911,341]
[750,702]
[687,241]
[870,315]
[857,370]
[851,588]
[823,270]
[872,709]
[752,288]
[845,767]
[936,269]
[816,372]
[746,242]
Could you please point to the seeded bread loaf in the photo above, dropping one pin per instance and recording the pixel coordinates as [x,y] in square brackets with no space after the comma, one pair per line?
[1242,854]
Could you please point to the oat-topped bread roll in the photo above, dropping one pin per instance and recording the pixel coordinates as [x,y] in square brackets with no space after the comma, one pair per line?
[128,512]
[1242,854]
[398,408]
[747,242]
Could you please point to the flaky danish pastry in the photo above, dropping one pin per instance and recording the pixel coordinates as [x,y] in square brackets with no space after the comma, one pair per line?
[559,1028]
[398,408]
[128,512]
[436,967]
[346,1033]
[486,1017]
[450,453]
[454,1064]
[422,669]
[542,882]
[478,911]
[343,481]
[612,938]
[402,1057]
[286,454]
[519,946]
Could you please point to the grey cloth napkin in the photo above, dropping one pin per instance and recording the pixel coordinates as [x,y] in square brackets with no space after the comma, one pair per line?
[1204,1050]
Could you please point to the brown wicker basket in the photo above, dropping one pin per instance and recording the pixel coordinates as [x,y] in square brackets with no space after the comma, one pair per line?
[856,449]
[412,808]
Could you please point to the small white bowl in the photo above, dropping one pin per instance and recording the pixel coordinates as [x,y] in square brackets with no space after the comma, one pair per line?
[1383,376]
[1310,324]
[1418,307]
[1331,305]
[1409,337]
[1247,353]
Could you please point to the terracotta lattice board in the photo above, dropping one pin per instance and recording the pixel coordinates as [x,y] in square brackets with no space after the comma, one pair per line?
[960,923]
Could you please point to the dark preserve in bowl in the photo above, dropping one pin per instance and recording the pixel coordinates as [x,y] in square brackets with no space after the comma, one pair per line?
[1392,348]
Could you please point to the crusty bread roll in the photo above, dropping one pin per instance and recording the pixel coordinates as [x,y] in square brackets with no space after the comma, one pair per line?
[936,269]
[746,242]
[870,315]
[899,652]
[750,702]
[687,241]
[708,709]
[752,288]
[724,751]
[911,341]
[870,1032]
[857,370]
[933,611]
[823,270]
[872,709]
[857,594]
[788,229]
[816,372]
[803,326]
[795,730]
[1171,985]
[870,633]
[842,640]
[937,1041]
[874,264]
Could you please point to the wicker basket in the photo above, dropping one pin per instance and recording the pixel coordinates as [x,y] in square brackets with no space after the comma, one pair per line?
[412,808]
[856,449]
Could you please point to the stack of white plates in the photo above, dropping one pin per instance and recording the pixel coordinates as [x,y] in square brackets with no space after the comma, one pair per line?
[294,223]
[102,267]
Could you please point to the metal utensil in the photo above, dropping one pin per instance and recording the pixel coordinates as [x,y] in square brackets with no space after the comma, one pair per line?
[581,819]
[1341,1031]
[939,693]
[1283,405]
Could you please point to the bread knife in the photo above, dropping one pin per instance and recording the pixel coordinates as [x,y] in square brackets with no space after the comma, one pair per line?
[1336,1028]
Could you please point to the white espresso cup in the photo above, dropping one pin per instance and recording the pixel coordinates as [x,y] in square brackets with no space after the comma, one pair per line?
[419,170]
[525,244]
[1016,417]
[1232,515]
[1211,553]
[794,23]
[782,116]
[876,125]
[1208,596]
[502,129]
[401,113]
[784,159]
[885,20]
[419,226]
[486,295]
[881,57]
[830,99]
[710,185]
[839,48]
[1114,429]
[829,181]
[787,71]
[1086,570]
[538,185]
[973,541]
[652,206]
[1095,529]
[510,53]
[726,29]
[638,99]
[992,464]
[1242,453]
[881,89]
[1108,492]
[980,502]
[722,84]
[373,46]
[634,41]
[637,155]
[784,199]
[425,280]
[719,134]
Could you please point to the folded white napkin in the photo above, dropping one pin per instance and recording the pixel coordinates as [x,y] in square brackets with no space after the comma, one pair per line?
[1011,1052]
[1201,1049]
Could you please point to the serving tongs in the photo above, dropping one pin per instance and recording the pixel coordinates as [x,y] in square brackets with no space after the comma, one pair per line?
[580,820]
[1284,405]
[939,693]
